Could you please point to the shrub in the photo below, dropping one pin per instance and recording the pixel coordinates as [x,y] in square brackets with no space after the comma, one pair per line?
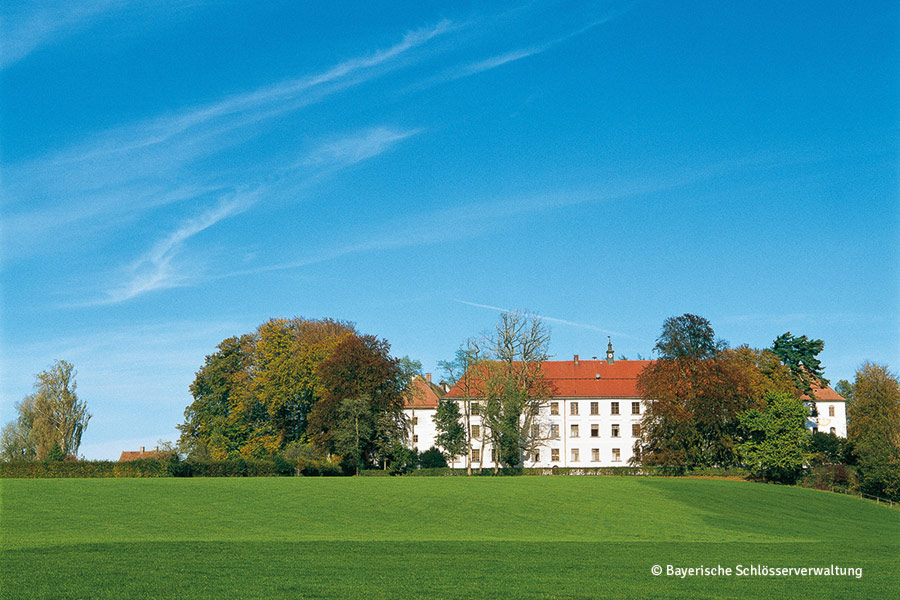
[831,477]
[432,459]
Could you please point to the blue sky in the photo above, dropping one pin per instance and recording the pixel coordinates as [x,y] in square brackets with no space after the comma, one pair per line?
[177,172]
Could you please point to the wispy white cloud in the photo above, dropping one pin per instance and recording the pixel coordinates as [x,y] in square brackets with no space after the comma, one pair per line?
[498,60]
[138,161]
[155,269]
[40,23]
[358,146]
[548,319]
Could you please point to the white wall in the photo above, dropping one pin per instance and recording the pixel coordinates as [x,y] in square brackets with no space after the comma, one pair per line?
[604,443]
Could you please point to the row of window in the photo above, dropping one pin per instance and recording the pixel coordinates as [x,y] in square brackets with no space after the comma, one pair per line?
[554,455]
[574,431]
[595,408]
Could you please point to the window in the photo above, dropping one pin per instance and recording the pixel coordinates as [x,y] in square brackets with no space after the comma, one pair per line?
[595,455]
[415,438]
[476,408]
[635,408]
[617,455]
[493,455]
[833,431]
[573,431]
[535,431]
[635,430]
[614,408]
[573,408]
[554,408]
[554,455]
[415,420]
[595,408]
[831,411]
[615,430]
[476,455]
[575,455]
[476,431]
[537,456]
[554,431]
[595,430]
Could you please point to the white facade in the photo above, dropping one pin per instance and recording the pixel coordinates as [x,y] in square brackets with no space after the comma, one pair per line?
[576,432]
[599,432]
[832,418]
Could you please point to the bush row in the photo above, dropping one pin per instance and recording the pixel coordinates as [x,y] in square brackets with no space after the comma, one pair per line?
[166,468]
[280,467]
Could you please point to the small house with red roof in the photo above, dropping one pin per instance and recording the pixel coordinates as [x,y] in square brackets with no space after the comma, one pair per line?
[142,453]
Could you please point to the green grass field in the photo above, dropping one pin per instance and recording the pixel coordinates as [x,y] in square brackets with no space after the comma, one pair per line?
[453,537]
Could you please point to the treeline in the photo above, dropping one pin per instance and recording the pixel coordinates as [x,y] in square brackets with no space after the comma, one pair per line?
[711,406]
[300,390]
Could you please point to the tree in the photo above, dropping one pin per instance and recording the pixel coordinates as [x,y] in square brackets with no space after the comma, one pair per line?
[692,408]
[874,429]
[361,367]
[799,355]
[451,435]
[52,416]
[263,391]
[16,440]
[687,337]
[213,424]
[515,389]
[775,440]
[464,372]
[353,429]
[694,394]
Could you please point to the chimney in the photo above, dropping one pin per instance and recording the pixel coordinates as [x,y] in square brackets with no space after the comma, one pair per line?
[156,448]
[142,449]
[610,355]
[576,360]
[428,377]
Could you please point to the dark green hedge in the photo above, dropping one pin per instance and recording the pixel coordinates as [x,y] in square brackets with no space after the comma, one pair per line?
[146,468]
[279,467]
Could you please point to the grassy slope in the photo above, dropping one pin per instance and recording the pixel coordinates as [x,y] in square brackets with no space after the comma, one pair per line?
[524,537]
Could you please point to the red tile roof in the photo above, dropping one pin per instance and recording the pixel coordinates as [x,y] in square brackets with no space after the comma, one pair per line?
[424,394]
[824,394]
[571,380]
[126,455]
[617,380]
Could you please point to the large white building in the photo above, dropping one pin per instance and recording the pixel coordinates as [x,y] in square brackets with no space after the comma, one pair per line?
[593,419]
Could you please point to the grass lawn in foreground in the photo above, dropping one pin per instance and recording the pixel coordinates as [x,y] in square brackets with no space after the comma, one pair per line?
[453,537]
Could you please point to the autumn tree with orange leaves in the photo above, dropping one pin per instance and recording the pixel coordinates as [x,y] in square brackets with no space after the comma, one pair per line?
[695,392]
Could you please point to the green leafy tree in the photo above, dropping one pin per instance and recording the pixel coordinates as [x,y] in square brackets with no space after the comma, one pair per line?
[799,354]
[828,449]
[353,430]
[213,427]
[687,337]
[776,441]
[451,435]
[52,416]
[874,430]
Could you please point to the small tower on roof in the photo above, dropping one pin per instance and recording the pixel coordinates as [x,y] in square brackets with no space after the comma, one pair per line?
[610,355]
